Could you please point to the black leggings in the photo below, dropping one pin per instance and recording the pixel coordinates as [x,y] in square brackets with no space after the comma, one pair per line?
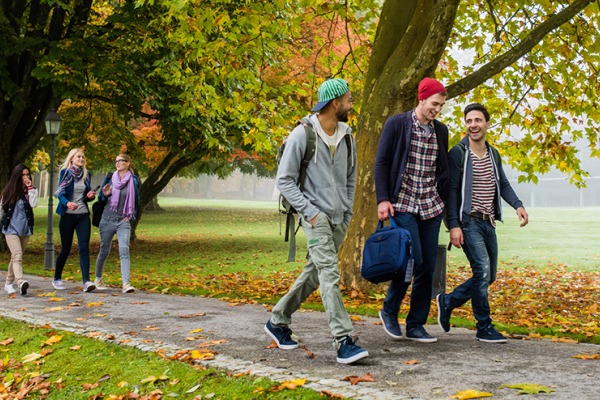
[69,224]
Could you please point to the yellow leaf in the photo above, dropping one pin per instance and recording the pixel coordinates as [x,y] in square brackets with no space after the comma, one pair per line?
[470,394]
[587,356]
[52,340]
[31,357]
[56,299]
[54,309]
[94,304]
[122,384]
[75,348]
[529,388]
[198,330]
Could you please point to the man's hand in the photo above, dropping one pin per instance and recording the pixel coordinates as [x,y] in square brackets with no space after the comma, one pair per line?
[456,237]
[523,217]
[384,210]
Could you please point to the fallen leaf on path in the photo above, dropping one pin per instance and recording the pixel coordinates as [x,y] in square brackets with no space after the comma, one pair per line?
[131,333]
[528,388]
[331,395]
[356,379]
[100,315]
[587,356]
[411,362]
[309,353]
[355,318]
[191,315]
[470,394]
[151,328]
[212,343]
[564,340]
[94,304]
[139,302]
[54,309]
[197,330]
[56,299]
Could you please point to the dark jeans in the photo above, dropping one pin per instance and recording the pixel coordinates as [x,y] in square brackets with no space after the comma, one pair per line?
[481,248]
[425,238]
[68,225]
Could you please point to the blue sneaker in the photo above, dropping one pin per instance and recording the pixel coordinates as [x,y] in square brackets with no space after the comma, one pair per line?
[443,313]
[390,325]
[348,352]
[490,335]
[282,335]
[419,334]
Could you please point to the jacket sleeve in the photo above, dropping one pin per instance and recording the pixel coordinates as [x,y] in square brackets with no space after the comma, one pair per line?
[506,191]
[32,195]
[383,161]
[288,173]
[454,185]
[88,188]
[62,199]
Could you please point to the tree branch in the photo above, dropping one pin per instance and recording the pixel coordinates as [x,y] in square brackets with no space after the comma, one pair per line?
[529,42]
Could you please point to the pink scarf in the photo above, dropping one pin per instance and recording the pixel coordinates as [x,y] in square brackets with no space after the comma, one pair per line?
[119,183]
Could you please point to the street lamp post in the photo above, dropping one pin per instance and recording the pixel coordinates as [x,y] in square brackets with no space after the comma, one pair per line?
[52,121]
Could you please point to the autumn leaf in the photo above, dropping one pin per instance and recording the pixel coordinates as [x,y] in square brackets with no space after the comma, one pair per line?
[212,343]
[191,315]
[331,395]
[197,330]
[56,299]
[309,353]
[7,341]
[587,356]
[151,328]
[75,348]
[89,386]
[54,309]
[470,394]
[31,357]
[528,388]
[94,304]
[202,355]
[289,384]
[153,379]
[356,379]
[52,340]
[411,362]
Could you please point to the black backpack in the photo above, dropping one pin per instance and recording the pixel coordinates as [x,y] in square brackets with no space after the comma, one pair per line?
[284,206]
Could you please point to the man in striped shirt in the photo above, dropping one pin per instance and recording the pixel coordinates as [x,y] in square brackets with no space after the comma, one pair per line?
[477,183]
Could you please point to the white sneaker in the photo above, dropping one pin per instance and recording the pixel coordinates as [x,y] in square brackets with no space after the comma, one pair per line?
[100,285]
[127,288]
[58,284]
[23,287]
[88,286]
[10,289]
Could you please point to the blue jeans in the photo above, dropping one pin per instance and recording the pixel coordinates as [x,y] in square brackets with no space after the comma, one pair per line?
[481,248]
[109,226]
[68,225]
[425,238]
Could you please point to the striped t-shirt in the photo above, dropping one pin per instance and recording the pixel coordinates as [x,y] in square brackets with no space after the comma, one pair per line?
[484,184]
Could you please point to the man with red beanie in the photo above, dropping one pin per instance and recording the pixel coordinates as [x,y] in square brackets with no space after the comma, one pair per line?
[411,178]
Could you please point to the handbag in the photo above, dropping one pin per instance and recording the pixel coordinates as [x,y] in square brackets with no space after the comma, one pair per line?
[387,254]
[98,206]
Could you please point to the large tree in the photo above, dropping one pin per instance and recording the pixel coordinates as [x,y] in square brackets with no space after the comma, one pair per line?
[533,63]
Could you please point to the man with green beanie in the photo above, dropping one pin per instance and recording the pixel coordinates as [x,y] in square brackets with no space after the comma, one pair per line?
[324,207]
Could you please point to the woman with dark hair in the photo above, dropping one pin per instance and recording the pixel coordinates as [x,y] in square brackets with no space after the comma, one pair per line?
[73,193]
[18,198]
[121,191]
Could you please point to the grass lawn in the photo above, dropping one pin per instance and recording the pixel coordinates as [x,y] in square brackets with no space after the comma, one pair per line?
[67,366]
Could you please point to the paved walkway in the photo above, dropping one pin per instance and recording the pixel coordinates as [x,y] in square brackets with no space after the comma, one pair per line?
[456,362]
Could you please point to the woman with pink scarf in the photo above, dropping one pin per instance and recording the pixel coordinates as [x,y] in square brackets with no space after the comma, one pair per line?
[121,193]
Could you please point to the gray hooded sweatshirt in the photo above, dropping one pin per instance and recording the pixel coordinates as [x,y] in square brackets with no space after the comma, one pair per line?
[330,180]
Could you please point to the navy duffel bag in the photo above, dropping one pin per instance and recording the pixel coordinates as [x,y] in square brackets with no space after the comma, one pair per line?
[387,254]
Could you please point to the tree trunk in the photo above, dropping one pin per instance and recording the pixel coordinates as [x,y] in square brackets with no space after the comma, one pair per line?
[408,47]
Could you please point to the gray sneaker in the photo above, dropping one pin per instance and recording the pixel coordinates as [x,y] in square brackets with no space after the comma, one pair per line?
[88,286]
[100,285]
[58,284]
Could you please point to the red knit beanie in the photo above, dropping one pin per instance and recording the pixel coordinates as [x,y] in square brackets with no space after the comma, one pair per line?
[428,87]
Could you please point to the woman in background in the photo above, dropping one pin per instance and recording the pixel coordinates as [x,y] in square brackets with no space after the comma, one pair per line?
[73,193]
[121,192]
[18,198]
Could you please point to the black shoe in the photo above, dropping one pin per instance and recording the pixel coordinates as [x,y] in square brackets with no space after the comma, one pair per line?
[23,287]
[390,325]
[419,334]
[443,313]
[490,335]
[282,335]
